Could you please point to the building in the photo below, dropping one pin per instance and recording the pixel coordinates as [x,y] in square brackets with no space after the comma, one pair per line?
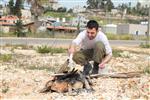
[26,13]
[53,4]
[8,23]
[134,29]
[79,20]
[110,29]
[114,11]
[78,9]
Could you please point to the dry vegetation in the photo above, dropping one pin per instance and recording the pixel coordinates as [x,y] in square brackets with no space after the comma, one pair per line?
[24,72]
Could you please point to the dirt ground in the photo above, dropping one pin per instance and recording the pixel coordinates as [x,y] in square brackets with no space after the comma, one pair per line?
[26,72]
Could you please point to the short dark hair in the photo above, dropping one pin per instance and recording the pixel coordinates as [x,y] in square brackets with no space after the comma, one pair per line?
[92,24]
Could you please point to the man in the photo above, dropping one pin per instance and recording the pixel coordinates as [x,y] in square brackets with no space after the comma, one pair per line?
[94,46]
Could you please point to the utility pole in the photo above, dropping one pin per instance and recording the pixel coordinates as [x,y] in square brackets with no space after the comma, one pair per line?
[148,33]
[78,25]
[148,29]
[106,12]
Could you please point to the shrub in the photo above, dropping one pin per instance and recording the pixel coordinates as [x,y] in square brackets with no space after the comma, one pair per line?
[43,49]
[5,57]
[5,87]
[119,36]
[116,53]
[147,69]
[5,90]
[144,45]
[46,49]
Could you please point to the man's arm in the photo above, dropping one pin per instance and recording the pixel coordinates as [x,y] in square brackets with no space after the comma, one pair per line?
[76,42]
[72,48]
[105,60]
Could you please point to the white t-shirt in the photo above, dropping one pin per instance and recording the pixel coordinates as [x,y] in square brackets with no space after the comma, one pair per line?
[83,40]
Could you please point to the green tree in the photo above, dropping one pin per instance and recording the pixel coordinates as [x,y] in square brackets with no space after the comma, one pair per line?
[11,7]
[129,9]
[139,10]
[109,5]
[19,28]
[19,25]
[122,7]
[36,8]
[100,4]
[94,4]
[70,10]
[17,8]
[138,6]
[62,9]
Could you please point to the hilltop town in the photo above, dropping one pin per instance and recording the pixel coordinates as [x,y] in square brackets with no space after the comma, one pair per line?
[51,16]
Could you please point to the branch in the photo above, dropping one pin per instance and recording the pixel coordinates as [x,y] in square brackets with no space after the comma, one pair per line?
[118,75]
[112,75]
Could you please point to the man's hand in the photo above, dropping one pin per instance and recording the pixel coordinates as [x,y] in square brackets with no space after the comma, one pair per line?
[105,60]
[101,65]
[71,49]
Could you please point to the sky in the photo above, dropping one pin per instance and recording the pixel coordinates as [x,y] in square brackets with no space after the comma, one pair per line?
[72,3]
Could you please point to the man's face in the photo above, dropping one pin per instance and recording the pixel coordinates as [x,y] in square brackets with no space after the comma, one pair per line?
[91,33]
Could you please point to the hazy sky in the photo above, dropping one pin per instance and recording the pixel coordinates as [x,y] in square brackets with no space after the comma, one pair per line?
[72,3]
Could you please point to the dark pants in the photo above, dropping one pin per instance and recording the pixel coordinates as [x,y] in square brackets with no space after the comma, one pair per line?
[96,54]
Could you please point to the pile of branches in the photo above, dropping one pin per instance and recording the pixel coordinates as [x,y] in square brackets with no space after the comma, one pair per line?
[68,82]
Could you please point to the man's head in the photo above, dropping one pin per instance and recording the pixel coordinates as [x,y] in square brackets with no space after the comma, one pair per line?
[92,28]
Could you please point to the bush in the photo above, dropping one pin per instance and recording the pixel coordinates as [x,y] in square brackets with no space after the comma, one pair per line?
[43,49]
[144,45]
[19,28]
[4,87]
[119,37]
[46,49]
[5,57]
[116,53]
[147,69]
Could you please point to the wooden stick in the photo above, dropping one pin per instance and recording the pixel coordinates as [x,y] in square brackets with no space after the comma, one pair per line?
[112,75]
[118,75]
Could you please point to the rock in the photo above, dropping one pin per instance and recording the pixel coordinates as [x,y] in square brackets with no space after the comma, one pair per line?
[5,52]
[125,54]
[134,57]
[25,52]
[148,58]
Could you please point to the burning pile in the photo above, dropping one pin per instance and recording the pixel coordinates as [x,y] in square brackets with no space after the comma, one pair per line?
[68,82]
[75,80]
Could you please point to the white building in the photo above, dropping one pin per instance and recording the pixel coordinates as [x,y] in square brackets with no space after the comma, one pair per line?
[78,9]
[56,6]
[81,20]
[26,13]
[110,28]
[134,29]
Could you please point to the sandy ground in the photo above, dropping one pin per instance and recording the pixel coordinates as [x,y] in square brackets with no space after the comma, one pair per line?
[27,71]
